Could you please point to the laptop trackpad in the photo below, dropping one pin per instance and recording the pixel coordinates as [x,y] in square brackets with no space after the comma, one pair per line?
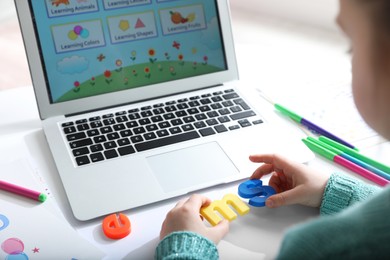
[191,167]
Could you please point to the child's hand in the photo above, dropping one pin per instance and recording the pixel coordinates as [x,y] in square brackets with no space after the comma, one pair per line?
[294,183]
[185,216]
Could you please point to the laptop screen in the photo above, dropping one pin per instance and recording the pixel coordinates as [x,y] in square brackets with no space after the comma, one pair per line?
[93,47]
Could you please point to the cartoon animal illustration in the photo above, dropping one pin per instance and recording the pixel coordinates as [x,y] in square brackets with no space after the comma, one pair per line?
[177,17]
[59,2]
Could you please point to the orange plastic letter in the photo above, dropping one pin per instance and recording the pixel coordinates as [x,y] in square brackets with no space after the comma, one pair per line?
[116,227]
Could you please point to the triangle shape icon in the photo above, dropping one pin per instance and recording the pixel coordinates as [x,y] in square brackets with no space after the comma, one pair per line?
[139,24]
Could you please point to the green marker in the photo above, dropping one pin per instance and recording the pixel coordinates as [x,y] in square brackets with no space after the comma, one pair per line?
[355,154]
[311,126]
[288,113]
[319,149]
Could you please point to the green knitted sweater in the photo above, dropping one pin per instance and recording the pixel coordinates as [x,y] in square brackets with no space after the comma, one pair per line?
[361,231]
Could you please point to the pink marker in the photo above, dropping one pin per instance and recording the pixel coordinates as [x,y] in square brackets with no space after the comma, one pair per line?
[344,162]
[22,191]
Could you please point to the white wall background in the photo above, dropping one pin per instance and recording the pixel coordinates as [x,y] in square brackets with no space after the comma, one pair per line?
[315,12]
[320,13]
[7,9]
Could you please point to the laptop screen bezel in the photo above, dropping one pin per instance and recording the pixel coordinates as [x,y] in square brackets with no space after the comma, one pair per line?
[48,109]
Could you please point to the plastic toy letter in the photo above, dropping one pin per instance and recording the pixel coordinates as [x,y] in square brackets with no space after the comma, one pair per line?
[222,206]
[255,192]
[116,227]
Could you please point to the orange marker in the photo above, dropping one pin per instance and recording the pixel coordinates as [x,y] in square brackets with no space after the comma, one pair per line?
[116,227]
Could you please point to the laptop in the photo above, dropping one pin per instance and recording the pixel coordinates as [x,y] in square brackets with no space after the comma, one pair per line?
[139,100]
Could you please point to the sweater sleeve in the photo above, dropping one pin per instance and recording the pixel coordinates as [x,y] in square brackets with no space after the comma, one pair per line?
[342,191]
[357,232]
[186,245]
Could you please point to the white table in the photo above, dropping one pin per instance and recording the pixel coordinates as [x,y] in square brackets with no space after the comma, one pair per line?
[260,51]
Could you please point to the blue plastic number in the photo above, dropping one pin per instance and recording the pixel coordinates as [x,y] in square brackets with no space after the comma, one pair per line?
[255,192]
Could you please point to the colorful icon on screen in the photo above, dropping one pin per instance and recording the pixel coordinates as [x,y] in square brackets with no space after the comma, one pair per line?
[77,31]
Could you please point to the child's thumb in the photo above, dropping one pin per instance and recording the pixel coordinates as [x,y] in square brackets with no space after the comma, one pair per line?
[282,199]
[220,230]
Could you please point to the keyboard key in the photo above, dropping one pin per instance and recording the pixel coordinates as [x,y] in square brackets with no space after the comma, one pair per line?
[193,111]
[109,154]
[150,136]
[146,113]
[82,127]
[123,141]
[99,139]
[144,121]
[95,118]
[110,145]
[206,131]
[80,151]
[126,133]
[119,127]
[166,141]
[175,130]
[242,103]
[204,108]
[200,124]
[81,121]
[76,136]
[126,150]
[177,121]
[244,123]
[121,119]
[234,127]
[120,113]
[131,124]
[162,133]
[220,128]
[212,114]
[156,119]
[151,128]
[236,109]
[67,124]
[93,132]
[80,143]
[134,116]
[69,130]
[230,96]
[223,119]
[242,115]
[211,122]
[136,139]
[193,103]
[182,106]
[139,130]
[256,122]
[96,157]
[108,115]
[227,103]
[106,130]
[96,148]
[200,117]
[169,116]
[163,125]
[82,160]
[188,127]
[96,124]
[113,136]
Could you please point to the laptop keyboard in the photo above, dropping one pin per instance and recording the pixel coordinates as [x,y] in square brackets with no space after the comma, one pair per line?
[126,132]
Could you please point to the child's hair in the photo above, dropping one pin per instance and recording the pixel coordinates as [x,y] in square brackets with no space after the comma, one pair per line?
[379,11]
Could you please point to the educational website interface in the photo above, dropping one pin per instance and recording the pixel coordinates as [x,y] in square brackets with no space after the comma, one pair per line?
[92,47]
